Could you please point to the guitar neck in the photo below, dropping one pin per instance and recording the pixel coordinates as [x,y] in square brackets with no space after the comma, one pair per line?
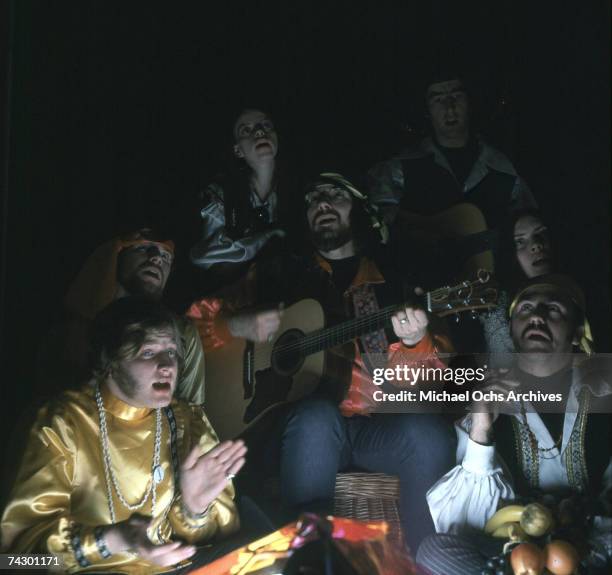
[325,338]
[467,295]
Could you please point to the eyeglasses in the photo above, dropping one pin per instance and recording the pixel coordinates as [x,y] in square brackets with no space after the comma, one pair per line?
[334,196]
[155,249]
[246,130]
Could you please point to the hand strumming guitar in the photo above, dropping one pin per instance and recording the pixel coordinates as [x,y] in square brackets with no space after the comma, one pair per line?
[258,326]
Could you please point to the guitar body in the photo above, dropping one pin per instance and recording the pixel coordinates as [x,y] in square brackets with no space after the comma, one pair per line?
[461,225]
[246,381]
[275,381]
[304,317]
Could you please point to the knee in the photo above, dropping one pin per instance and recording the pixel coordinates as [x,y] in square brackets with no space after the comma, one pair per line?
[425,432]
[315,416]
[432,434]
[430,441]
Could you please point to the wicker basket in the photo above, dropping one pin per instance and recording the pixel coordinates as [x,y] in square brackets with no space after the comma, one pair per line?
[369,496]
[363,496]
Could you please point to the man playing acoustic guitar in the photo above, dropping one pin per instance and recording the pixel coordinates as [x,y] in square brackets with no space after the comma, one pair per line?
[335,428]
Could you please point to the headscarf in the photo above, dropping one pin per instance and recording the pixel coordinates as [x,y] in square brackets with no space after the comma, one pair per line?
[569,288]
[95,286]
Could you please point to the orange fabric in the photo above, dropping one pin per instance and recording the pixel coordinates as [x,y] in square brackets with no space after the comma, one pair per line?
[368,271]
[211,325]
[95,285]
[359,399]
[364,544]
[209,314]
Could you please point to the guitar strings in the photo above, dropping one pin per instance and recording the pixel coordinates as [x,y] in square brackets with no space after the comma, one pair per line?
[343,330]
[327,333]
[315,338]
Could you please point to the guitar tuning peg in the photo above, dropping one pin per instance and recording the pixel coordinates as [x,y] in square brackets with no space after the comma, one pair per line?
[474,314]
[457,318]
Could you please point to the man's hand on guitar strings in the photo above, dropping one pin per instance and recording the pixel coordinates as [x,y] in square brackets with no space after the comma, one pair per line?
[259,326]
[410,325]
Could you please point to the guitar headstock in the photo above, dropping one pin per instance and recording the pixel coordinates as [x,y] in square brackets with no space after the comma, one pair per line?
[477,293]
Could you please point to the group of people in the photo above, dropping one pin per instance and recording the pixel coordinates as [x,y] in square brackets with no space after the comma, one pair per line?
[122,471]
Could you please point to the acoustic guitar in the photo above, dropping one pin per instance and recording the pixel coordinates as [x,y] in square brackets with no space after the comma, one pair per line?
[245,380]
[457,235]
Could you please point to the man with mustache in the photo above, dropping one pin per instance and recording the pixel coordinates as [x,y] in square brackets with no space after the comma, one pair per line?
[137,264]
[557,448]
[337,427]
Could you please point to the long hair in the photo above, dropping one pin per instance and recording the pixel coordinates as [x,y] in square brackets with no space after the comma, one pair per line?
[236,182]
[508,270]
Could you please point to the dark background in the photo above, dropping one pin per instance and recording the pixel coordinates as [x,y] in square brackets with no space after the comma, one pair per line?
[117,112]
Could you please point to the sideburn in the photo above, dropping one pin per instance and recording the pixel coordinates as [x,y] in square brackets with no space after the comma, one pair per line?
[126,383]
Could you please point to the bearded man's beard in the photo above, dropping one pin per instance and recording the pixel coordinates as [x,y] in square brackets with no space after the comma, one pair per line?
[326,240]
[136,286]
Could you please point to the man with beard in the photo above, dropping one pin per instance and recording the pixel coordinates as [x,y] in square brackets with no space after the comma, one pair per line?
[552,451]
[336,427]
[136,264]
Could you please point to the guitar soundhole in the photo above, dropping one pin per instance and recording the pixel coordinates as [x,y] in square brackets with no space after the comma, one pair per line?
[287,355]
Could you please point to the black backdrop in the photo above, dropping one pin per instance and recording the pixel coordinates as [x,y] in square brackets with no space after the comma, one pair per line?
[117,112]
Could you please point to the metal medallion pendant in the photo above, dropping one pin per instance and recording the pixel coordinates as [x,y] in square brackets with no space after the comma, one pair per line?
[158,474]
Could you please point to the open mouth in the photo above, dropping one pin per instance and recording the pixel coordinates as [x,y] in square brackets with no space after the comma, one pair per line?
[540,262]
[537,335]
[163,386]
[263,144]
[326,220]
[152,272]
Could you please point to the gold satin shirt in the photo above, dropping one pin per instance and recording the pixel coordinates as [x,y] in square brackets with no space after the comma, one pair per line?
[60,489]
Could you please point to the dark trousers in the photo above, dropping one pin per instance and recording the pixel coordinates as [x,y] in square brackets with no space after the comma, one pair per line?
[314,442]
[443,554]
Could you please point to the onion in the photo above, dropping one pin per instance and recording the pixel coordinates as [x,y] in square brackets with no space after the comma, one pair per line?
[536,520]
[527,559]
[561,557]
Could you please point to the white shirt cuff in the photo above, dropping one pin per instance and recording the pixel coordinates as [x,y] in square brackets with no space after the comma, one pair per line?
[479,459]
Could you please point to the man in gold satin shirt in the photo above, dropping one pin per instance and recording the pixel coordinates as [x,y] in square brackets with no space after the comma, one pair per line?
[119,476]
